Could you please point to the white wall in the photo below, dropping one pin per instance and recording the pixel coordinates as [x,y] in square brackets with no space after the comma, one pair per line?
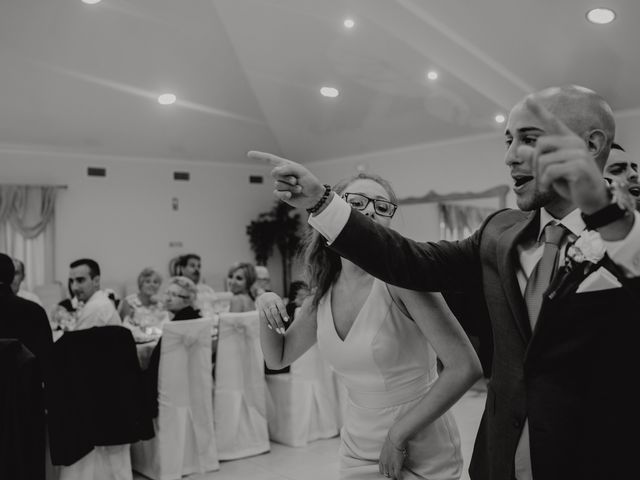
[125,221]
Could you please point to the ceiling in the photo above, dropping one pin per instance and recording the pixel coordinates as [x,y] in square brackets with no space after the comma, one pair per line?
[84,79]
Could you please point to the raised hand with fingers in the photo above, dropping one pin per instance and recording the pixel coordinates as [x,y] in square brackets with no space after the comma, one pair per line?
[294,183]
[563,161]
[272,312]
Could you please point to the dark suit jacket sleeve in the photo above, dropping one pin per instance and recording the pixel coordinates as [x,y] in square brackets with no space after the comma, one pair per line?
[394,259]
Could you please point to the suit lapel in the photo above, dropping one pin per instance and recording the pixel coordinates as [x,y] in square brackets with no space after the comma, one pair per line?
[508,264]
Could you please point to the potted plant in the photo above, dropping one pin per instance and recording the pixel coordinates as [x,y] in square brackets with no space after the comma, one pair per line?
[279,228]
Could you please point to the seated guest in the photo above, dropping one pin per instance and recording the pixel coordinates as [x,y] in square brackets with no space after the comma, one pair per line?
[180,299]
[298,291]
[240,278]
[144,311]
[190,266]
[17,283]
[22,319]
[95,308]
[622,167]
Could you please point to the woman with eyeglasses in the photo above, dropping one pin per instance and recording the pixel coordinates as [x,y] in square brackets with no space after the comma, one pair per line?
[383,342]
[180,298]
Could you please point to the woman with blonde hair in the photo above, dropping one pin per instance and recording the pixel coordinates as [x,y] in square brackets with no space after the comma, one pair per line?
[240,278]
[144,311]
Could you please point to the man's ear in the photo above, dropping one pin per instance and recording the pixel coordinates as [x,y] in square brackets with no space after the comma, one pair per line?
[96,281]
[596,143]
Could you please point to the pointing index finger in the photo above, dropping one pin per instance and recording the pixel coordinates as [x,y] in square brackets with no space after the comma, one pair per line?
[552,124]
[274,160]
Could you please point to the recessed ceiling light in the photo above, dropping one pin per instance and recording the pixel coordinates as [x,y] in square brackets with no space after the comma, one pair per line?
[329,92]
[167,99]
[432,75]
[349,23]
[601,16]
[90,2]
[500,118]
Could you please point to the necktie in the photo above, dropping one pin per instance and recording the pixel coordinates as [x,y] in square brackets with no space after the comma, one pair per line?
[543,271]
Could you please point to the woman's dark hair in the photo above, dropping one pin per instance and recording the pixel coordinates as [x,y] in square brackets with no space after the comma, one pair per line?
[295,287]
[322,264]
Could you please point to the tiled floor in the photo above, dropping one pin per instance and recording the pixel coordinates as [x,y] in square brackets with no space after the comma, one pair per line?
[318,461]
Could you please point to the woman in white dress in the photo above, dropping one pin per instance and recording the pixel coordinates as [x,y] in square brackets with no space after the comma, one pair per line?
[383,342]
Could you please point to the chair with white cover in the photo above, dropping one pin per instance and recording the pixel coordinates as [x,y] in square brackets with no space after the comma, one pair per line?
[240,395]
[303,404]
[185,440]
[221,301]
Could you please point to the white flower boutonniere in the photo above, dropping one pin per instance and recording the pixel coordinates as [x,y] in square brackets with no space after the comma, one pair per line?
[588,247]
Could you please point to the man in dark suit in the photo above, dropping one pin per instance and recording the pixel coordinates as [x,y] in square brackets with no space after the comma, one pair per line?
[22,319]
[558,402]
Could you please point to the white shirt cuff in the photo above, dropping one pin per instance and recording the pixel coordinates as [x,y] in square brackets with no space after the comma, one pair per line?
[330,222]
[626,252]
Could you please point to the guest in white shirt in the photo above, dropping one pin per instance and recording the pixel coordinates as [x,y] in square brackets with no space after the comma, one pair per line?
[16,285]
[95,308]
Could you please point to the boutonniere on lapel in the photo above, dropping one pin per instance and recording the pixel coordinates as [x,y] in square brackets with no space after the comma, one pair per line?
[586,252]
[582,257]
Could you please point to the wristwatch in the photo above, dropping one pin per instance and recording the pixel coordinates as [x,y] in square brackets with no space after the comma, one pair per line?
[621,204]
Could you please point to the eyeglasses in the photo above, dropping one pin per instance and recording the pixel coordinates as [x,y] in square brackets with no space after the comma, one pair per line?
[384,208]
[176,295]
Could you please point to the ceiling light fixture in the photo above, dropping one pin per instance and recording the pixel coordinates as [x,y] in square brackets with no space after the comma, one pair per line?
[432,75]
[500,118]
[167,99]
[601,16]
[329,92]
[349,23]
[91,2]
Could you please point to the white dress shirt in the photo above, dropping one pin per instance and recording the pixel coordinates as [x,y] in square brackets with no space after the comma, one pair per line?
[97,312]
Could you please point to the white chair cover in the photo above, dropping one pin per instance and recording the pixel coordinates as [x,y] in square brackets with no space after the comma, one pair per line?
[304,403]
[221,302]
[185,440]
[241,390]
[101,463]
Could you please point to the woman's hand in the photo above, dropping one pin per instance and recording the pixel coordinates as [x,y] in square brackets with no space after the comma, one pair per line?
[392,458]
[272,311]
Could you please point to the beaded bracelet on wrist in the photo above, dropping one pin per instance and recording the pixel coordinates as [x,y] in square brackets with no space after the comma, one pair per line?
[322,201]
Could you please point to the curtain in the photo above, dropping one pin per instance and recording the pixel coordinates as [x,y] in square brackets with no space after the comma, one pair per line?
[27,229]
[459,221]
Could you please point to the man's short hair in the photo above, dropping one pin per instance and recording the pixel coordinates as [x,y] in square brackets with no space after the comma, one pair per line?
[617,146]
[7,269]
[94,268]
[184,259]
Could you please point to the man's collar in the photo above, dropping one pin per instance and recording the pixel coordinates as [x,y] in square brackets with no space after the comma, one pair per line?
[572,221]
